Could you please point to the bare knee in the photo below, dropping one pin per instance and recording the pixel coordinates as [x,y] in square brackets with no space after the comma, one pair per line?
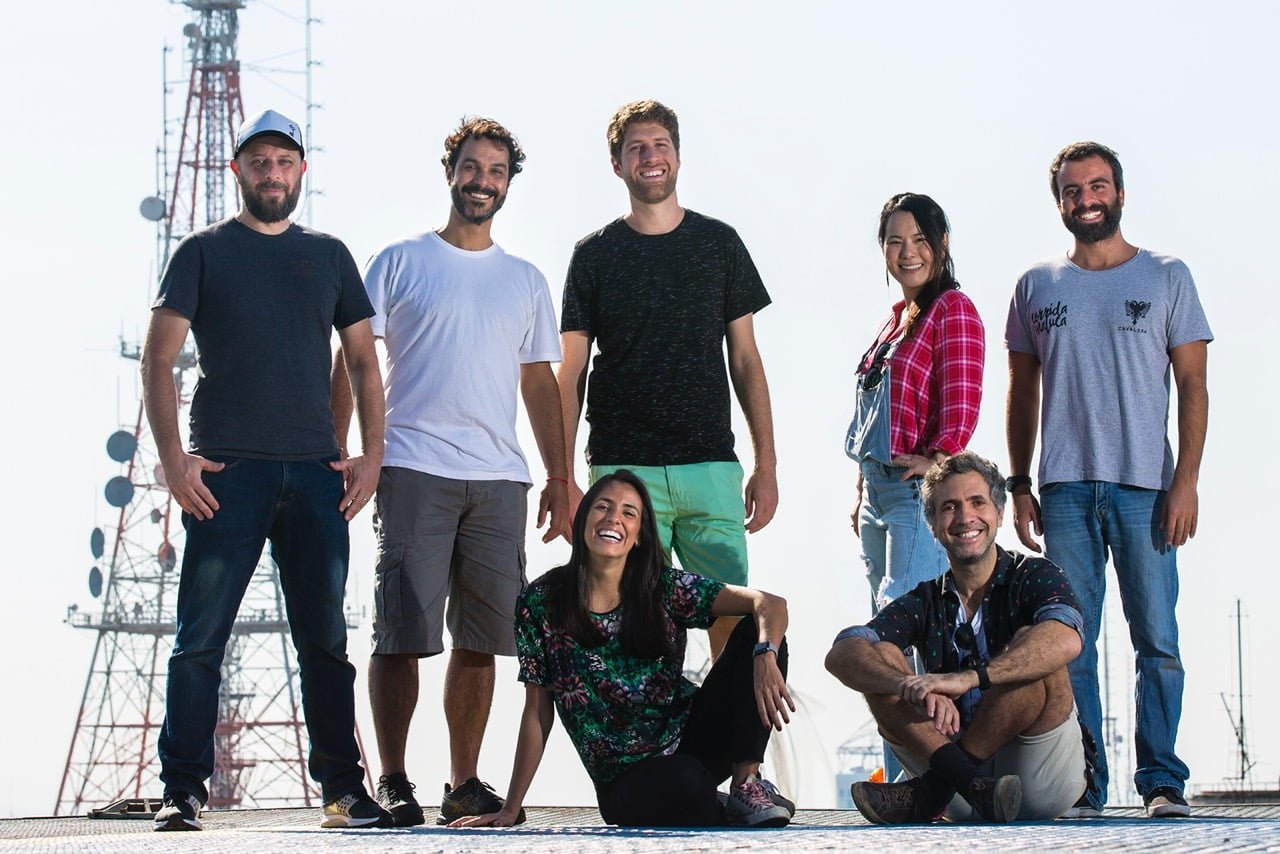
[471,658]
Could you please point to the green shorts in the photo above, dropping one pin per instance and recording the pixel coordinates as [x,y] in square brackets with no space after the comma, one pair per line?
[700,515]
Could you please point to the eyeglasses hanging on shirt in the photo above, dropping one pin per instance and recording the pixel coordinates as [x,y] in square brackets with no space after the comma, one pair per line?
[871,378]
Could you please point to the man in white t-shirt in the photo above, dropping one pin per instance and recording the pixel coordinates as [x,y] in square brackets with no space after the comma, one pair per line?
[465,326]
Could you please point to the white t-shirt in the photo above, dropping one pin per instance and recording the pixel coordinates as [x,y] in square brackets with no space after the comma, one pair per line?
[458,325]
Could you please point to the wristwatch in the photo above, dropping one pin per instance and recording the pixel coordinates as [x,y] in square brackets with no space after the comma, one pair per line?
[1014,481]
[984,681]
[762,648]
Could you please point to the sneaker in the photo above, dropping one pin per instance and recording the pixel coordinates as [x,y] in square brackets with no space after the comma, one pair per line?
[749,805]
[179,811]
[1083,808]
[1164,802]
[997,799]
[471,798]
[896,803]
[778,798]
[356,809]
[395,795]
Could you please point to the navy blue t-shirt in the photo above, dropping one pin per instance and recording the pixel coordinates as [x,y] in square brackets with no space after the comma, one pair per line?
[263,309]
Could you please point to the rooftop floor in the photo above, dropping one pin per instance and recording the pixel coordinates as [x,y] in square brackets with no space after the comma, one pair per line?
[559,829]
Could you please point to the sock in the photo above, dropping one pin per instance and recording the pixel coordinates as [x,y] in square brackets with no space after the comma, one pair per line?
[955,767]
[935,794]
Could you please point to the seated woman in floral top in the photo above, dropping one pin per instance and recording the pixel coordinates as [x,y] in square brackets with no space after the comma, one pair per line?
[602,641]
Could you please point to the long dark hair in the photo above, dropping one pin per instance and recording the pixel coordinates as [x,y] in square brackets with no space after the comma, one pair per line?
[644,631]
[932,222]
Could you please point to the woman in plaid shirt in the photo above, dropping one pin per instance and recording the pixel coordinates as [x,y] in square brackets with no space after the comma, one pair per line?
[918,393]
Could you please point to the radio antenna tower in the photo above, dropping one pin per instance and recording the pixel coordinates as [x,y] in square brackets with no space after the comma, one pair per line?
[260,742]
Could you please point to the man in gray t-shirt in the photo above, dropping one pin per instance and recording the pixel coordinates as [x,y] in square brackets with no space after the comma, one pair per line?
[1093,339]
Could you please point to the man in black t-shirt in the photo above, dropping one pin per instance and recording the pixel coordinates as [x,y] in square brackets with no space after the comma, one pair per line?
[262,297]
[660,292]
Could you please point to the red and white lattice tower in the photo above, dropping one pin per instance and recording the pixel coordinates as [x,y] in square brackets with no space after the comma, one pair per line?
[260,743]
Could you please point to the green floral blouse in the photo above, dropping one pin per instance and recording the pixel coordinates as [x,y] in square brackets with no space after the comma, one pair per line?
[617,709]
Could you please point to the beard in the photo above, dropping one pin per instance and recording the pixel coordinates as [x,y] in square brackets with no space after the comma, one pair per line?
[1093,232]
[270,210]
[651,194]
[466,207]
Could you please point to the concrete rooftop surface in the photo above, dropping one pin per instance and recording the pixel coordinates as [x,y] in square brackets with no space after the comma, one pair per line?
[574,829]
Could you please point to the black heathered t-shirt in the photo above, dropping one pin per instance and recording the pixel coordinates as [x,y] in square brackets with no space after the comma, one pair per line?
[263,309]
[657,306]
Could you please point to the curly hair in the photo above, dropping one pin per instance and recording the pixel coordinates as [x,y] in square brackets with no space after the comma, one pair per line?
[962,463]
[482,128]
[1081,151]
[641,111]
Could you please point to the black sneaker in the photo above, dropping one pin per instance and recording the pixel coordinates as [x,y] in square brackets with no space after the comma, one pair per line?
[395,794]
[179,811]
[471,798]
[355,809]
[1164,802]
[997,799]
[896,803]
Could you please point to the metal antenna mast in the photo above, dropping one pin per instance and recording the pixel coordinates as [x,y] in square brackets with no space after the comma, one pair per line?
[260,744]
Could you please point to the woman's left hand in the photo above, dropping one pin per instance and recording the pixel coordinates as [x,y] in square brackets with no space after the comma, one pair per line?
[772,697]
[914,464]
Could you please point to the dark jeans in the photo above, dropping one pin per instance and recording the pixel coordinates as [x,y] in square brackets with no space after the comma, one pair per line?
[295,506]
[723,728]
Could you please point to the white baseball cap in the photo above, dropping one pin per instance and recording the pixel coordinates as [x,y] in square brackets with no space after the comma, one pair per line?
[269,121]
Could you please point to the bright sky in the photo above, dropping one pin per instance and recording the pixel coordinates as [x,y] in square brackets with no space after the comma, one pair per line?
[798,121]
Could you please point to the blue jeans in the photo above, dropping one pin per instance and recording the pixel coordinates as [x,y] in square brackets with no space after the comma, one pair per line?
[295,506]
[897,544]
[1083,520]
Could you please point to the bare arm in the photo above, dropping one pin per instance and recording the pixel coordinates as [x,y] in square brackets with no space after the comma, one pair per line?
[855,663]
[746,370]
[340,400]
[365,383]
[182,471]
[542,402]
[1182,505]
[535,728]
[572,380]
[1034,653]
[1022,417]
[770,614]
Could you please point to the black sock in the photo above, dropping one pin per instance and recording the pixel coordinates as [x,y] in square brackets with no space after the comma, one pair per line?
[953,766]
[936,790]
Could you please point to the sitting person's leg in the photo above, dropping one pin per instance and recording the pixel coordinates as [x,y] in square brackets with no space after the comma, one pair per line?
[725,732]
[662,791]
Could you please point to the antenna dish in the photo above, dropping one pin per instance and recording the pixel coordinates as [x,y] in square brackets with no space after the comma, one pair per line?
[191,31]
[119,491]
[152,208]
[121,445]
[97,543]
[95,582]
[167,555]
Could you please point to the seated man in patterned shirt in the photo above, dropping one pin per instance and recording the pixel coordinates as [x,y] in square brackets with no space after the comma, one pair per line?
[989,731]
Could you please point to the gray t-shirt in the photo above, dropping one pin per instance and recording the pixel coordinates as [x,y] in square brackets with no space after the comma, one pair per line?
[1103,340]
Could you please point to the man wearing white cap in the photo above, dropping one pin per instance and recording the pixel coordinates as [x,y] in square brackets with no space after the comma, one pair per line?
[262,297]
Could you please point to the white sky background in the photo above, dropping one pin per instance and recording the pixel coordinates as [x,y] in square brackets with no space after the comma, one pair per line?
[798,121]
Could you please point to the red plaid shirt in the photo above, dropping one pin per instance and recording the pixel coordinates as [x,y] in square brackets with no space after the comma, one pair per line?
[936,377]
